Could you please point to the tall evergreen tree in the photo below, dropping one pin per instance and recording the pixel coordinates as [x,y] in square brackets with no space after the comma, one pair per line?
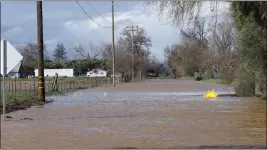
[60,52]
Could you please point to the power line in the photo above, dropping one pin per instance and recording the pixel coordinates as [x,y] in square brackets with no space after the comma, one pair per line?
[97,12]
[90,16]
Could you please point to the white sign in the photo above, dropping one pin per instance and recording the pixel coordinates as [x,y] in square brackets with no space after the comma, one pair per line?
[13,57]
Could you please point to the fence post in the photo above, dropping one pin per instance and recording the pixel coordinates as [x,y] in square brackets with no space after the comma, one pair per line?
[93,82]
[12,82]
[72,85]
[25,89]
[30,90]
[15,84]
[54,85]
[87,82]
[34,86]
[48,84]
[9,90]
[20,86]
[64,86]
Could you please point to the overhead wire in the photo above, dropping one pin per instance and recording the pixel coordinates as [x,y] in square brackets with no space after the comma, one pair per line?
[116,34]
[90,16]
[97,12]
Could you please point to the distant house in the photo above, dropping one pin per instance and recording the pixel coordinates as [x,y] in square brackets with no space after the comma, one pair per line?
[97,73]
[16,72]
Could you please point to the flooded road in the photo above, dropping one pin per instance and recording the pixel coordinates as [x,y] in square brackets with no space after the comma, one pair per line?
[150,114]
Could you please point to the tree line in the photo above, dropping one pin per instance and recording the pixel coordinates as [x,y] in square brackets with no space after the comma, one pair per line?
[204,48]
[234,47]
[98,57]
[30,55]
[139,60]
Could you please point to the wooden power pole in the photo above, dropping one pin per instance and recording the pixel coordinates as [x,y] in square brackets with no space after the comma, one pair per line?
[132,29]
[140,58]
[41,87]
[265,61]
[113,45]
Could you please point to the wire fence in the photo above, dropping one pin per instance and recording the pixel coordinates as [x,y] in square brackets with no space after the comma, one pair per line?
[29,86]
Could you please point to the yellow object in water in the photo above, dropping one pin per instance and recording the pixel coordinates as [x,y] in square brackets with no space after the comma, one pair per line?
[210,94]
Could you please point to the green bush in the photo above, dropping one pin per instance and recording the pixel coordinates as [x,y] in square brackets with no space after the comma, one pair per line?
[217,81]
[198,78]
[190,70]
[246,84]
[228,75]
[210,75]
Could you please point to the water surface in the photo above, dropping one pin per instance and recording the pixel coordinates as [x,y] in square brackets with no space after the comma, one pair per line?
[141,115]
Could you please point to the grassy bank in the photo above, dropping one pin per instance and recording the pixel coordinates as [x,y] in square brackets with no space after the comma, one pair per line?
[188,78]
[22,93]
[216,81]
[20,101]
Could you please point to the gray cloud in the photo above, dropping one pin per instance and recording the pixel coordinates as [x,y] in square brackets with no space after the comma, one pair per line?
[65,22]
[5,28]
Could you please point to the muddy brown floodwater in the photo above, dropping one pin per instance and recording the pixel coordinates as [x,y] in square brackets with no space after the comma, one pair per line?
[151,114]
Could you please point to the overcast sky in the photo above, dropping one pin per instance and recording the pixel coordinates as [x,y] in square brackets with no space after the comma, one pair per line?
[66,22]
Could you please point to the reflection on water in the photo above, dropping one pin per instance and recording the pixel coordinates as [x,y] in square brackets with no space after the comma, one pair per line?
[88,119]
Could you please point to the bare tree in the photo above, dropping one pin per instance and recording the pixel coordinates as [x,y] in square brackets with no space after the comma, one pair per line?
[142,44]
[141,40]
[172,59]
[188,56]
[29,51]
[123,60]
[222,43]
[81,53]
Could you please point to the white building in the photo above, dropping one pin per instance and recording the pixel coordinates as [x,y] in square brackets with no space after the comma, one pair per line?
[52,72]
[97,73]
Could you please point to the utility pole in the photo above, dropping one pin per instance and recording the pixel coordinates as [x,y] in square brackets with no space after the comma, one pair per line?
[265,60]
[41,87]
[141,63]
[131,28]
[3,74]
[113,45]
[140,57]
